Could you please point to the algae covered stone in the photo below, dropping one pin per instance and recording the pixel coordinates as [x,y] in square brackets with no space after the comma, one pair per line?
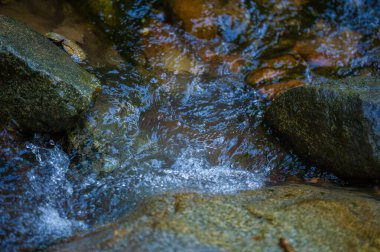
[335,125]
[102,141]
[309,218]
[108,12]
[106,9]
[42,89]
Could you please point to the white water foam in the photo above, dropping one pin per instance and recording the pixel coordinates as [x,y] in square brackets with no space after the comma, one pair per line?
[53,224]
[193,173]
[196,173]
[52,188]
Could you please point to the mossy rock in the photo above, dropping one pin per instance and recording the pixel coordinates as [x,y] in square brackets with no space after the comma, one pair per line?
[308,218]
[5,1]
[101,140]
[107,10]
[335,125]
[42,89]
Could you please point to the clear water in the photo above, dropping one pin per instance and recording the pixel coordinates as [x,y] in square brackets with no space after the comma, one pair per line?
[198,131]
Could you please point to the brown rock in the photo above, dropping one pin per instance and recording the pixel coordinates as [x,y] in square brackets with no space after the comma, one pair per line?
[198,16]
[202,18]
[263,75]
[165,48]
[333,50]
[273,90]
[280,69]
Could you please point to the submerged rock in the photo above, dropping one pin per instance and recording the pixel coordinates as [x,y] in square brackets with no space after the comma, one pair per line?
[335,125]
[102,141]
[304,217]
[164,47]
[42,89]
[198,17]
[276,75]
[273,90]
[207,19]
[107,11]
[332,49]
[283,68]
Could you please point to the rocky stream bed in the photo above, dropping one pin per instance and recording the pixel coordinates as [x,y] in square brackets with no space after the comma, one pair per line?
[169,125]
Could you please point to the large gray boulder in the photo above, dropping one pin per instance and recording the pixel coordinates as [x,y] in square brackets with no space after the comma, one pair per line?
[305,218]
[42,89]
[335,125]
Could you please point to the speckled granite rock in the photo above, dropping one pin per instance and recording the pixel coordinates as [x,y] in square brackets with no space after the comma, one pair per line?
[335,125]
[42,89]
[309,218]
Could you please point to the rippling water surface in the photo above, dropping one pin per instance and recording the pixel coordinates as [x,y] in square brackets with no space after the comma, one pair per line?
[194,130]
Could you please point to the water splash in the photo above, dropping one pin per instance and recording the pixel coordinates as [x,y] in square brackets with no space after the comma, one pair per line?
[53,224]
[54,162]
[192,172]
[39,196]
[188,133]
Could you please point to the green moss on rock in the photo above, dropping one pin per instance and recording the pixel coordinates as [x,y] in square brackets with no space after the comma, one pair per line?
[109,13]
[102,139]
[335,125]
[310,218]
[107,10]
[42,89]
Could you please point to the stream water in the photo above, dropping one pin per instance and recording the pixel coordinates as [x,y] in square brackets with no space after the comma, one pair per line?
[199,130]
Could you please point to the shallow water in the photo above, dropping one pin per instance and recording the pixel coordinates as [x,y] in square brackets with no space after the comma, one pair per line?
[196,130]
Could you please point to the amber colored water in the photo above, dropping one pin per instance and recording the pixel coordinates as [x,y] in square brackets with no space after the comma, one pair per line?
[195,125]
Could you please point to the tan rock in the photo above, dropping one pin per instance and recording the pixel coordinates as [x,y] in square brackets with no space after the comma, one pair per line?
[305,218]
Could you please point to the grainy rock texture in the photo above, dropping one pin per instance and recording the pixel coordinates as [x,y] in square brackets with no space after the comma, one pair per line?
[335,125]
[308,218]
[42,89]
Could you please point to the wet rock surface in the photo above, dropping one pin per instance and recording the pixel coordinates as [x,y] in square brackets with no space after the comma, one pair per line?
[307,218]
[208,19]
[278,74]
[106,10]
[70,47]
[175,114]
[334,125]
[42,88]
[101,142]
[163,47]
[329,48]
[64,19]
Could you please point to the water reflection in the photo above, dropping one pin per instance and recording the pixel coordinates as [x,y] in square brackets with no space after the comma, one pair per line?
[177,114]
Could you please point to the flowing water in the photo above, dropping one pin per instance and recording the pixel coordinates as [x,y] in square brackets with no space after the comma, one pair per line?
[198,130]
